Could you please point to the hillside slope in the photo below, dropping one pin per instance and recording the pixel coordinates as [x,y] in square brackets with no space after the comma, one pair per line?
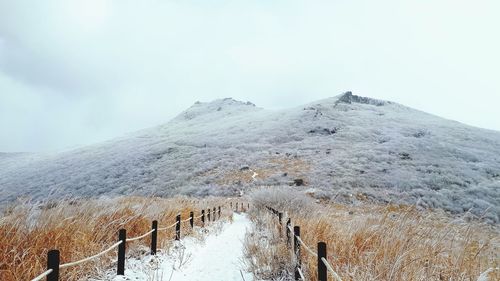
[347,148]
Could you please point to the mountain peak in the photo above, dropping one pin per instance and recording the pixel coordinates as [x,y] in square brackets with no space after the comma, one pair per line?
[349,98]
[226,106]
[223,102]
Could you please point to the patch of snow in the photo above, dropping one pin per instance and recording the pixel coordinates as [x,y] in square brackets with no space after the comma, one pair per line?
[255,174]
[484,275]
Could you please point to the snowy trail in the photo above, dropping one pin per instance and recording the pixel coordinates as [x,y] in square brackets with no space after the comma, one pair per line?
[218,258]
[221,257]
[255,174]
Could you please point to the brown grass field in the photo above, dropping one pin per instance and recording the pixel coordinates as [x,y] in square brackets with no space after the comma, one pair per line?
[365,242]
[374,242]
[82,228]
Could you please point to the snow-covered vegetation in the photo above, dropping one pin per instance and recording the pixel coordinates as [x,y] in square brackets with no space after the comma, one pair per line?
[346,148]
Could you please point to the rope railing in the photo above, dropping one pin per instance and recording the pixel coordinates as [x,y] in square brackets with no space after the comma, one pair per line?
[140,237]
[43,275]
[329,267]
[53,256]
[306,247]
[302,243]
[301,274]
[91,257]
[168,227]
[323,266]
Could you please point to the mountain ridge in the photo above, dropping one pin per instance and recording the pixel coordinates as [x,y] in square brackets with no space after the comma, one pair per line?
[345,148]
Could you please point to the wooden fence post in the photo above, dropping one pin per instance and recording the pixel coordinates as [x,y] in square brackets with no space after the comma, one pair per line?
[154,237]
[280,227]
[219,212]
[214,214]
[296,232]
[288,236]
[236,206]
[321,266]
[191,219]
[122,236]
[203,218]
[208,214]
[53,261]
[178,227]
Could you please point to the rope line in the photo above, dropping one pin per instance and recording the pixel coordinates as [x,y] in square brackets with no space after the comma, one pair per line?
[301,274]
[188,219]
[329,267]
[303,244]
[43,275]
[306,247]
[140,237]
[91,257]
[165,228]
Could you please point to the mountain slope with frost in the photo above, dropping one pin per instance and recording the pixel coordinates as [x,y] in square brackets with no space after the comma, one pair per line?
[346,148]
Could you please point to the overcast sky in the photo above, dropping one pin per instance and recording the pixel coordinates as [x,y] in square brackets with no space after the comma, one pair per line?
[78,72]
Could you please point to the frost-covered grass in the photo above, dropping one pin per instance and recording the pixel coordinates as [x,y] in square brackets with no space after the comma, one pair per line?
[345,148]
[266,254]
[372,242]
[82,228]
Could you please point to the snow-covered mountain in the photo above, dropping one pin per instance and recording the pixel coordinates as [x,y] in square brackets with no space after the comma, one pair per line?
[346,148]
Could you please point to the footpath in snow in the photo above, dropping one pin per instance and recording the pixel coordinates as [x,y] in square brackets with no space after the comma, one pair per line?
[219,257]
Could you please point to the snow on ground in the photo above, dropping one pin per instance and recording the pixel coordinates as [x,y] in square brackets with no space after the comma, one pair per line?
[219,257]
[484,275]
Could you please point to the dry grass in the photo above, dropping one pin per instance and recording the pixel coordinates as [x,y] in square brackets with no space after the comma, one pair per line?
[275,165]
[392,242]
[81,228]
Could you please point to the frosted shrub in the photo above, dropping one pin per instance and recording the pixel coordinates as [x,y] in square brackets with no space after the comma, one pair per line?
[281,198]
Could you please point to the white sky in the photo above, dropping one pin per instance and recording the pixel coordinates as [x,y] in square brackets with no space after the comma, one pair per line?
[78,72]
